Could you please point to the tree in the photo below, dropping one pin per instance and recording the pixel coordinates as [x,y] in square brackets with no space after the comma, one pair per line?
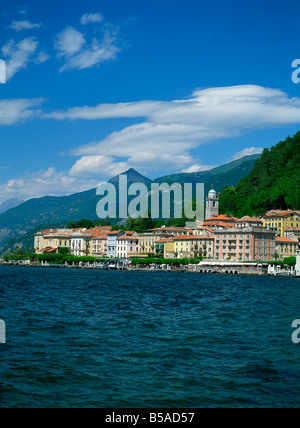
[63,250]
[289,261]
[273,183]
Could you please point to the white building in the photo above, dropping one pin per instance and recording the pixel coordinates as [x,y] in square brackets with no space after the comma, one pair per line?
[127,244]
[80,244]
[112,242]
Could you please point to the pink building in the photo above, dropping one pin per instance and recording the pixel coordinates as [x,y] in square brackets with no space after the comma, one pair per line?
[98,240]
[127,244]
[99,245]
[246,244]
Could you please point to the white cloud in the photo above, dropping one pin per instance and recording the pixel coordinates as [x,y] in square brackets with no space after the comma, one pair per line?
[18,55]
[247,152]
[96,53]
[198,168]
[42,57]
[106,111]
[49,182]
[78,54]
[172,129]
[18,110]
[24,25]
[69,42]
[97,166]
[91,18]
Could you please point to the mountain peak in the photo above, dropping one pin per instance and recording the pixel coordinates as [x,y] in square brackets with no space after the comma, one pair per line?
[131,171]
[133,176]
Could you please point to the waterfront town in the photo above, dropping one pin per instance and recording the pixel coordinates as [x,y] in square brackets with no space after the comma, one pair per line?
[273,236]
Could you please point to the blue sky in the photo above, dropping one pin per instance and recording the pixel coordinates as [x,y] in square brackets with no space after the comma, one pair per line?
[94,88]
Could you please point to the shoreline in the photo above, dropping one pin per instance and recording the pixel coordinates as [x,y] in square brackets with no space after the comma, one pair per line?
[216,270]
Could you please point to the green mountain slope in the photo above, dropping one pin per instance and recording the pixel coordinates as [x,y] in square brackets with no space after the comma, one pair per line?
[230,174]
[60,210]
[273,183]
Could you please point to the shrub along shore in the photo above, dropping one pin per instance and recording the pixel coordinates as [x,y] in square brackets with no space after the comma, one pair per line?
[64,258]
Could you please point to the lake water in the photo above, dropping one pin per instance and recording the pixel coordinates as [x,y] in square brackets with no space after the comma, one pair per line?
[146,339]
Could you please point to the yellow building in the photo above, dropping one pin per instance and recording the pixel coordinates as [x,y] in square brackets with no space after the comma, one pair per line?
[148,240]
[169,249]
[165,247]
[286,247]
[38,242]
[280,221]
[52,238]
[61,238]
[194,246]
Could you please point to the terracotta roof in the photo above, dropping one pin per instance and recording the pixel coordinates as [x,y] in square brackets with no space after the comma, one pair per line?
[96,232]
[280,213]
[48,231]
[126,237]
[183,237]
[171,239]
[102,235]
[217,223]
[222,217]
[248,219]
[193,237]
[48,250]
[207,228]
[286,240]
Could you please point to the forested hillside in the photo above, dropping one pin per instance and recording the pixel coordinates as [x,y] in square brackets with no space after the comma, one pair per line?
[273,183]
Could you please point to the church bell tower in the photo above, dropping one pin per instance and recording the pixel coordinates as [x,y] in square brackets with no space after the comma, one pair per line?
[212,204]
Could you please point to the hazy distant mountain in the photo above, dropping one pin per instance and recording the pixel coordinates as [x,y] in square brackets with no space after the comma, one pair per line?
[10,203]
[59,210]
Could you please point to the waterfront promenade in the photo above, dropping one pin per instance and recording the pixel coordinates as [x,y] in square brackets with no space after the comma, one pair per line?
[204,267]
